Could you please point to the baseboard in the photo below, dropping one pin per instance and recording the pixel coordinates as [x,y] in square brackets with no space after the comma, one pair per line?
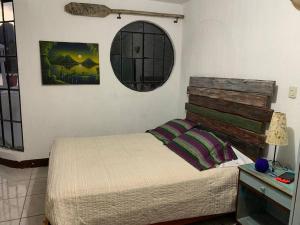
[25,164]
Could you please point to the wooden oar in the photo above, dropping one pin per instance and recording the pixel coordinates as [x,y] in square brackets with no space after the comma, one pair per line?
[296,3]
[95,10]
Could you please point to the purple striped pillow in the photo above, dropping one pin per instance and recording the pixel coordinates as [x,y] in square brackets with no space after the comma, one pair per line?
[172,129]
[213,145]
[227,149]
[201,149]
[191,149]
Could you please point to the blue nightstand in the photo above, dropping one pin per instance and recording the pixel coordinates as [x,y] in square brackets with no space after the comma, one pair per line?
[261,199]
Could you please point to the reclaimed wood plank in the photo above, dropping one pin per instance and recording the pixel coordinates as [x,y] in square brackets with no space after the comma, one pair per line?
[242,134]
[228,118]
[233,96]
[251,86]
[247,111]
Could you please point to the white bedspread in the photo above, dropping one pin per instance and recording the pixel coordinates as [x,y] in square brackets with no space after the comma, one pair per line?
[131,180]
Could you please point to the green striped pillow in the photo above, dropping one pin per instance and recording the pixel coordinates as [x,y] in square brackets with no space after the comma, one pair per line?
[172,129]
[227,149]
[201,149]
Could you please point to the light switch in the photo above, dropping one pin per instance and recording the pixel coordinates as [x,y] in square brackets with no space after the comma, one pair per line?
[293,92]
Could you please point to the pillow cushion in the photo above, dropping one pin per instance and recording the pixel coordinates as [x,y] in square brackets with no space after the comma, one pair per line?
[202,149]
[227,149]
[229,153]
[172,129]
[191,147]
[213,145]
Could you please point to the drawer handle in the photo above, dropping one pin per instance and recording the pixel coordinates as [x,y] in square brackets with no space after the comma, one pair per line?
[262,189]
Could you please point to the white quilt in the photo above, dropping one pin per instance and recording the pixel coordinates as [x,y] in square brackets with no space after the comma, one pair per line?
[131,180]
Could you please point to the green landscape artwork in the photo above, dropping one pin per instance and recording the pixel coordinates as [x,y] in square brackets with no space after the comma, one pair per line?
[69,63]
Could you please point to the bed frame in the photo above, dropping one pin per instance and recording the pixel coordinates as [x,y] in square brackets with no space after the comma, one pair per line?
[177,222]
[237,110]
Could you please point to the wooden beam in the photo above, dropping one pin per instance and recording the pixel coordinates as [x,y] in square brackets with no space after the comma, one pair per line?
[251,112]
[25,164]
[241,85]
[96,10]
[244,135]
[227,118]
[232,96]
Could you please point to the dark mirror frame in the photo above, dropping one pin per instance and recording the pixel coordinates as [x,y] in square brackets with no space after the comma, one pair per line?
[142,56]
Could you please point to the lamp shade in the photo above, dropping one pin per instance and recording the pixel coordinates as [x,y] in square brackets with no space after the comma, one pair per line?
[277,133]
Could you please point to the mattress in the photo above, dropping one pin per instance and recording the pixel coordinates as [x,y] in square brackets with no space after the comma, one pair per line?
[133,180]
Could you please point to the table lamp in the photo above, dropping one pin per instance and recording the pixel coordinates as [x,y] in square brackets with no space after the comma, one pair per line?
[277,133]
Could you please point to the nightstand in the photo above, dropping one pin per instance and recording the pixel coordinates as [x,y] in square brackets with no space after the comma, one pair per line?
[261,199]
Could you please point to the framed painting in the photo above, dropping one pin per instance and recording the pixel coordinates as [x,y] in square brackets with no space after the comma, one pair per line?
[70,63]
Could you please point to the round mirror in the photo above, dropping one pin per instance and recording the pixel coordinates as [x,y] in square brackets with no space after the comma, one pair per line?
[142,56]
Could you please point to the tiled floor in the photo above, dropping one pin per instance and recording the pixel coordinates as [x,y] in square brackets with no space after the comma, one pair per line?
[22,195]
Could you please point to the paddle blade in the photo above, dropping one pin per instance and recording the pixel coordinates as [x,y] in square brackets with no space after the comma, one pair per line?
[86,9]
[296,3]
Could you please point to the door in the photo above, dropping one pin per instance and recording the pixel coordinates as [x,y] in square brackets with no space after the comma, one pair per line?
[295,215]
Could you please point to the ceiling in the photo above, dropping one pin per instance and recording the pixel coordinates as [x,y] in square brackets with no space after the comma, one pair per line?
[173,1]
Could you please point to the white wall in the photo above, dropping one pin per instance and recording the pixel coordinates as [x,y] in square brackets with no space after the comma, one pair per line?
[90,110]
[229,38]
[257,39]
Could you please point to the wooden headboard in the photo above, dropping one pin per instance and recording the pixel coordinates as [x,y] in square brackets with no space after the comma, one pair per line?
[236,110]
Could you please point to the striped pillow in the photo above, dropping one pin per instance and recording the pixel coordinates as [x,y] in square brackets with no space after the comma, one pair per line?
[213,145]
[172,129]
[201,149]
[190,147]
[227,149]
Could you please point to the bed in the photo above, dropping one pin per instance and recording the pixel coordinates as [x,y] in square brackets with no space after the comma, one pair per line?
[136,180]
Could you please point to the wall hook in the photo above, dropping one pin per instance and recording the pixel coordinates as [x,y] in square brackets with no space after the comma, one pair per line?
[119,16]
[176,20]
